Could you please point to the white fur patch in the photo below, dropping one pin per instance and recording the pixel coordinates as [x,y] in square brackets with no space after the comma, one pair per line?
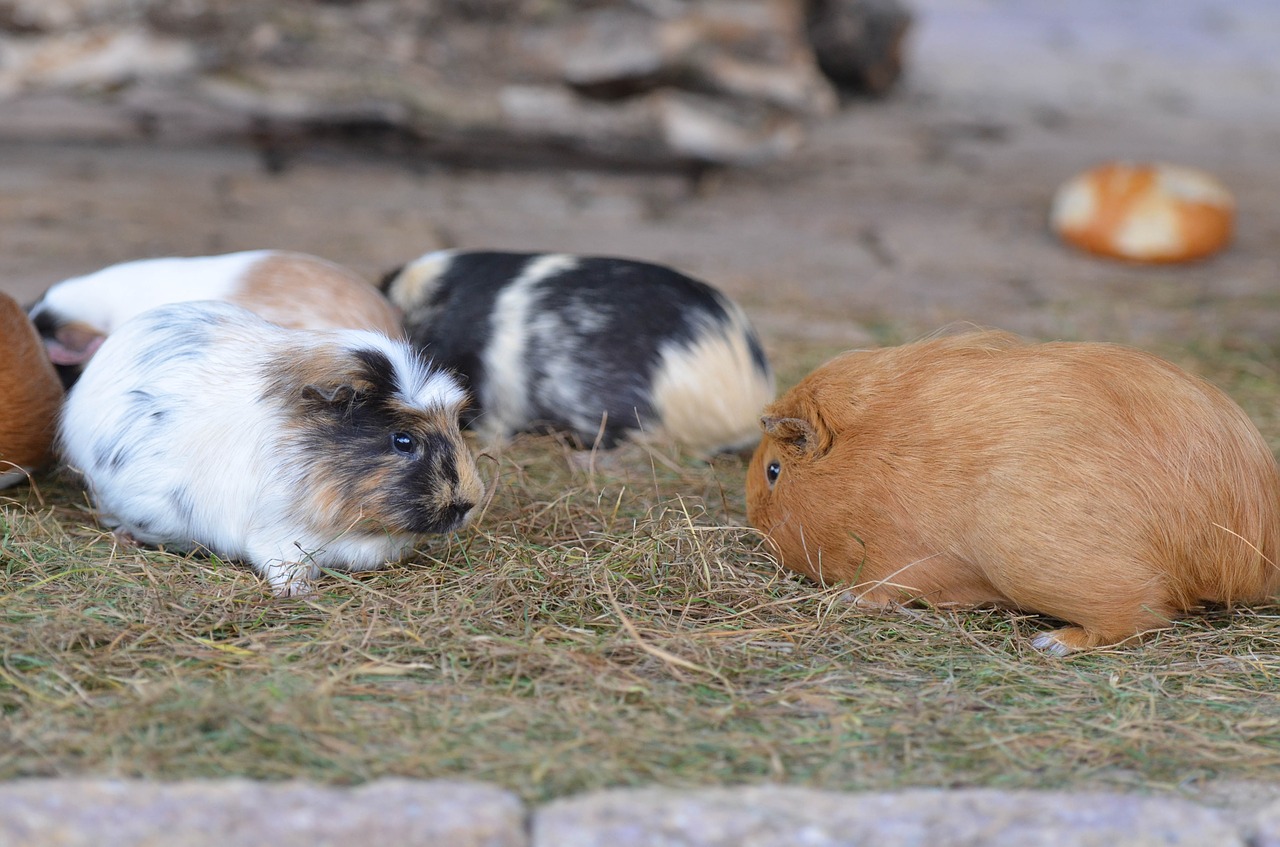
[412,287]
[107,298]
[710,395]
[506,391]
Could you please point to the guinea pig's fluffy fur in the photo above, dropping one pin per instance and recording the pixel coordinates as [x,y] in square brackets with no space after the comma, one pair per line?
[1090,482]
[31,392]
[602,348]
[294,290]
[202,425]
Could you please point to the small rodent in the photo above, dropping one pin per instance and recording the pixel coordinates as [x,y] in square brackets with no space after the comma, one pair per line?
[203,425]
[602,348]
[1091,482]
[294,290]
[32,395]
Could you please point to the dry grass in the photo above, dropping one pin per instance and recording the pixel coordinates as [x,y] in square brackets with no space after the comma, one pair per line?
[598,627]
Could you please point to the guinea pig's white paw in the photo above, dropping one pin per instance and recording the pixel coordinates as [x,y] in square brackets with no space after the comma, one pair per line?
[124,538]
[290,579]
[1048,642]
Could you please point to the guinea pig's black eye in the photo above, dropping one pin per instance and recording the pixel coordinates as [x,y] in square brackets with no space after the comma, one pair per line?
[402,442]
[771,472]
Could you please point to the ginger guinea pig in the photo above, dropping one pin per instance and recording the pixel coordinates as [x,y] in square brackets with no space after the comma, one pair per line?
[1091,482]
[601,348]
[203,425]
[294,290]
[31,392]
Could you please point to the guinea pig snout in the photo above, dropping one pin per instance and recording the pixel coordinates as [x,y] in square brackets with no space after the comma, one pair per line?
[454,514]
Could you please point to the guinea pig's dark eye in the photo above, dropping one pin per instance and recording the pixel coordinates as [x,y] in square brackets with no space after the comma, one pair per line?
[402,442]
[771,472]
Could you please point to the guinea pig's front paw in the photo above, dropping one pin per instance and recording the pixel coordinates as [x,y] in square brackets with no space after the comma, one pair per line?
[290,579]
[124,538]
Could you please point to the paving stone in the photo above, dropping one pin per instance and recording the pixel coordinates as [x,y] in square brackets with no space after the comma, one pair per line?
[1264,830]
[386,813]
[790,817]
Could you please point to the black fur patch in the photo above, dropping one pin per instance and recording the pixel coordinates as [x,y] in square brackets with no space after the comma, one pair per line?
[378,371]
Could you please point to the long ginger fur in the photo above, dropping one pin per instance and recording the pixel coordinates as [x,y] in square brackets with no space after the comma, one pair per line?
[1091,482]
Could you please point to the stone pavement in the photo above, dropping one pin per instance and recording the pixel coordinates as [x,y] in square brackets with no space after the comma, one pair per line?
[393,812]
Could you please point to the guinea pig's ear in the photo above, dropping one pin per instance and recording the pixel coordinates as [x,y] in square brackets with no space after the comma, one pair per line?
[337,394]
[795,435]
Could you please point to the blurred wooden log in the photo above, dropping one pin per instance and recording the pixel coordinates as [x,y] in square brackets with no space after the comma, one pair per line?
[649,82]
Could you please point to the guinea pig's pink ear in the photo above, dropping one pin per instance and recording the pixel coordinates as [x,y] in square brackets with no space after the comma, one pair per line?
[794,434]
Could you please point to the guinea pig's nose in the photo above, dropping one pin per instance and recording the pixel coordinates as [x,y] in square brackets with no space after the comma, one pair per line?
[456,511]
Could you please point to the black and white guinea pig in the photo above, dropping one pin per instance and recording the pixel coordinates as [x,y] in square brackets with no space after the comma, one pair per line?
[203,425]
[603,348]
[294,290]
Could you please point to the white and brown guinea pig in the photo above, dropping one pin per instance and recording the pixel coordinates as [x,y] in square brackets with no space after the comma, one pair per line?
[203,425]
[602,348]
[31,395]
[1091,482]
[294,290]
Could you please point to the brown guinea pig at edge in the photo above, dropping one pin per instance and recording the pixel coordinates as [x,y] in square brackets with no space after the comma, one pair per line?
[32,395]
[1090,482]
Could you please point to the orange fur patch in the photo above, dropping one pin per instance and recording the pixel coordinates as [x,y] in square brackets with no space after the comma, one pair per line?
[299,291]
[31,390]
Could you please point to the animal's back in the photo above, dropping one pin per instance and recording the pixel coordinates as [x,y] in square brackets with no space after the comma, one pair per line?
[301,291]
[106,298]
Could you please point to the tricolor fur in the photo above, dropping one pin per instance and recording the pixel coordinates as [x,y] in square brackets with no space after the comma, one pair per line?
[294,290]
[1091,482]
[600,347]
[31,392]
[200,424]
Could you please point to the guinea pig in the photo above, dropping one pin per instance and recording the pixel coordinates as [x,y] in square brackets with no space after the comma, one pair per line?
[203,425]
[294,290]
[1091,482]
[32,395]
[601,348]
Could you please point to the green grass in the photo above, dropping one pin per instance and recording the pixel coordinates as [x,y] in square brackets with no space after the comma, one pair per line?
[599,626]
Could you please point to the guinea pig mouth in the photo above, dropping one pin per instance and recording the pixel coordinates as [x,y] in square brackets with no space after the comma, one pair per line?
[444,518]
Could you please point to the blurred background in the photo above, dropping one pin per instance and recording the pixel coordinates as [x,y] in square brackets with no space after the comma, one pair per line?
[840,167]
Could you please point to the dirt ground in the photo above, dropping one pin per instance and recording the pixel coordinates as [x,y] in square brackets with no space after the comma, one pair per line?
[898,217]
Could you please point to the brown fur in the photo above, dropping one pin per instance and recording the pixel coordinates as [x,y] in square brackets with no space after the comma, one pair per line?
[1091,482]
[299,291]
[31,390]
